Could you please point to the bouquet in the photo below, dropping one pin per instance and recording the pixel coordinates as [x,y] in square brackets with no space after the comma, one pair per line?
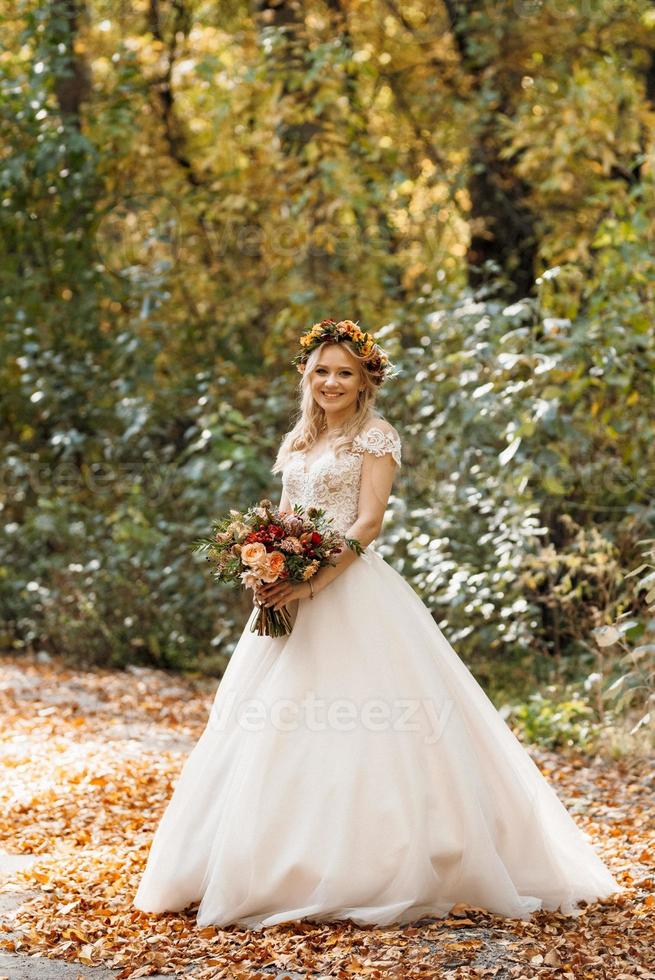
[265,544]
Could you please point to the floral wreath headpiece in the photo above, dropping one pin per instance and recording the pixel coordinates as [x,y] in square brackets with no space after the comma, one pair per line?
[376,361]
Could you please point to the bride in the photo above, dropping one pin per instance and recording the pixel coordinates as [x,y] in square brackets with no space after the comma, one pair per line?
[355,769]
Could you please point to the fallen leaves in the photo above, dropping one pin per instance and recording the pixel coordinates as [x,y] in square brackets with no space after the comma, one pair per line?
[88,763]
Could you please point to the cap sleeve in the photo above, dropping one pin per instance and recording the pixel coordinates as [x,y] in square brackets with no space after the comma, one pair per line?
[377,441]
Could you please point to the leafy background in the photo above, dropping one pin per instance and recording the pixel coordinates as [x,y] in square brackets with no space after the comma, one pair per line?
[185,187]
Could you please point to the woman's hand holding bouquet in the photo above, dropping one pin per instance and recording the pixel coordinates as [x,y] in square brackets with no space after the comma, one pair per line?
[282,592]
[265,545]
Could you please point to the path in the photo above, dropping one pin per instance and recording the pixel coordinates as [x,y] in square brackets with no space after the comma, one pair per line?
[87,761]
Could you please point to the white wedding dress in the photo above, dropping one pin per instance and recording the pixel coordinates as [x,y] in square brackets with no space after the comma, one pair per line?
[356,769]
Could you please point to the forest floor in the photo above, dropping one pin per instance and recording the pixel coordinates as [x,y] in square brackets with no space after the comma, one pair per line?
[87,762]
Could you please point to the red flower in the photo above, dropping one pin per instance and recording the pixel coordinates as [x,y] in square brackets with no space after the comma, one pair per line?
[260,536]
[316,537]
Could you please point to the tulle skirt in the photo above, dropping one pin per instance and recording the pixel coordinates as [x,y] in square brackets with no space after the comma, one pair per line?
[355,769]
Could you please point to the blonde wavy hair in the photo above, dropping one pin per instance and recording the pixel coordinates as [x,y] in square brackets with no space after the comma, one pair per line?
[310,418]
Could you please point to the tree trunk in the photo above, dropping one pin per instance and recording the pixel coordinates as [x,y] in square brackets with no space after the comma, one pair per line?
[504,227]
[71,74]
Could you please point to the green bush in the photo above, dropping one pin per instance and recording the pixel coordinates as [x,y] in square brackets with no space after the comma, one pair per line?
[555,719]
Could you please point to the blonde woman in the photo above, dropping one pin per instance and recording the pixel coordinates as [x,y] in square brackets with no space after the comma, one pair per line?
[355,769]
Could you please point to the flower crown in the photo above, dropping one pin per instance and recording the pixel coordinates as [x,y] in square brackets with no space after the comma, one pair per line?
[377,363]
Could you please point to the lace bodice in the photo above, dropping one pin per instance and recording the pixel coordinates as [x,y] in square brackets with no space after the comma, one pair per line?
[333,483]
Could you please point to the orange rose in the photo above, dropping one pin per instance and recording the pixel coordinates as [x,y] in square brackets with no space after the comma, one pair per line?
[253,553]
[276,562]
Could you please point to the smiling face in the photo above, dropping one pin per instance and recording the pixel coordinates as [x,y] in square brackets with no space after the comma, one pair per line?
[335,382]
